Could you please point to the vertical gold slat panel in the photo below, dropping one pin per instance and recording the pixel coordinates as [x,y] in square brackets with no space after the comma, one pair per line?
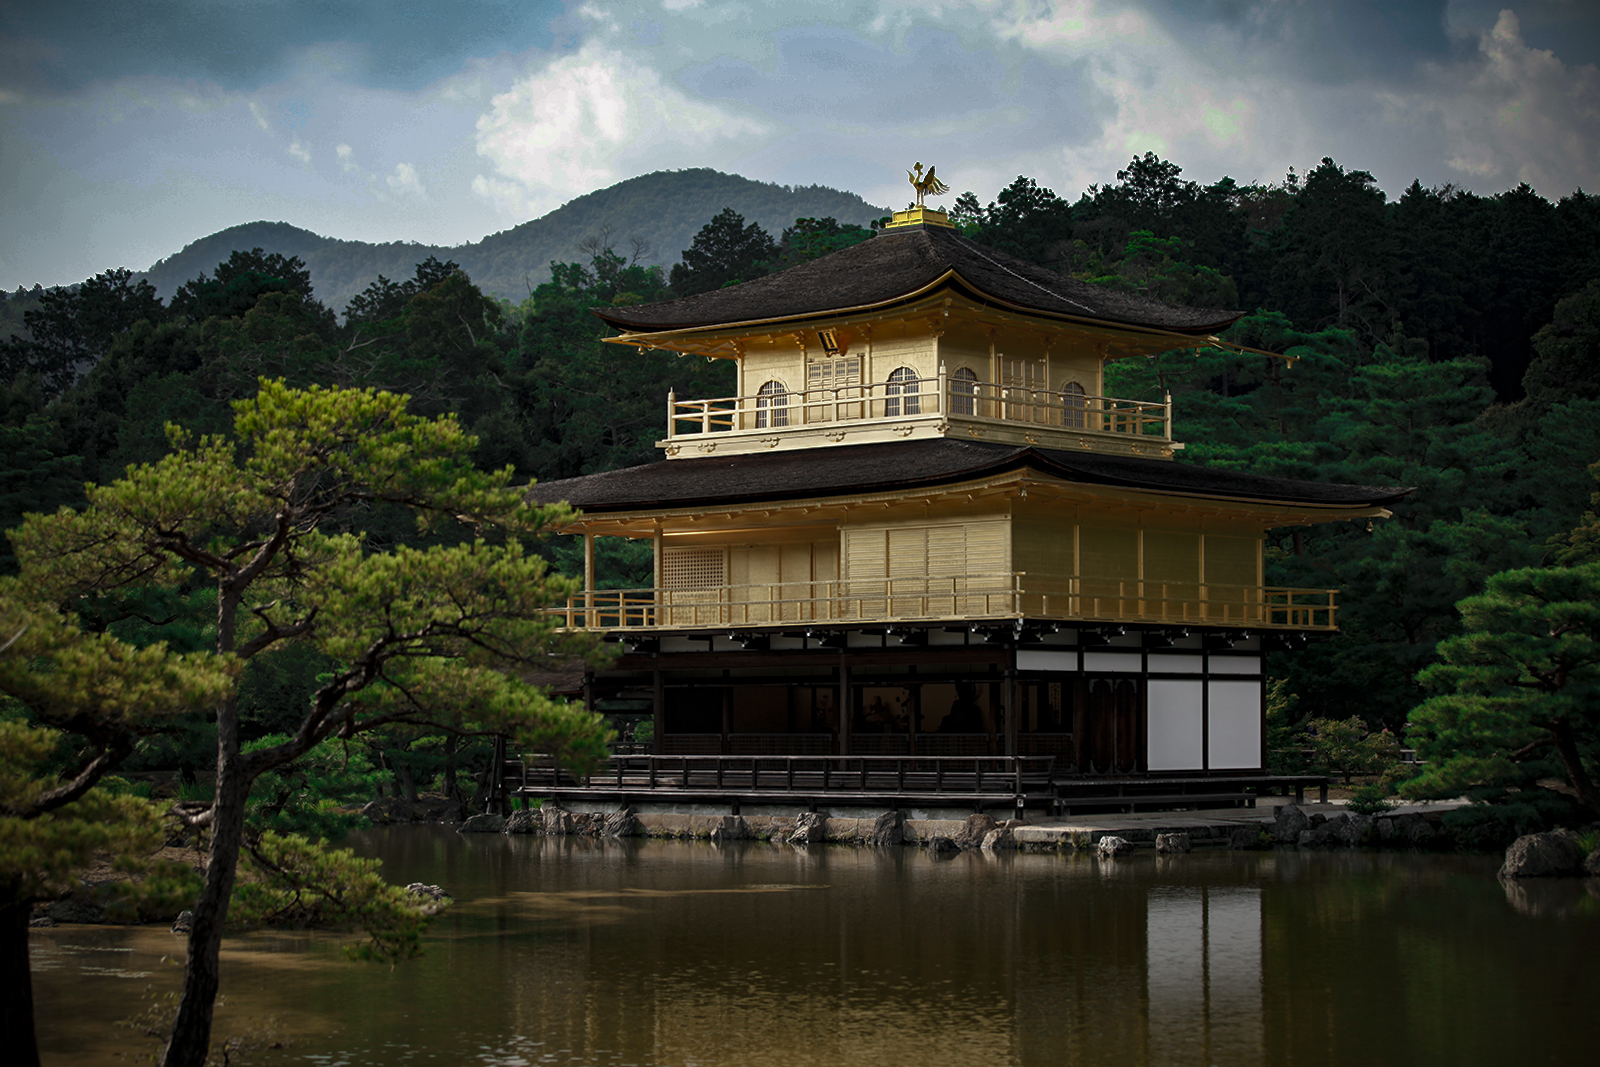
[794,572]
[947,568]
[1109,562]
[908,570]
[1172,575]
[1233,574]
[987,557]
[762,586]
[866,565]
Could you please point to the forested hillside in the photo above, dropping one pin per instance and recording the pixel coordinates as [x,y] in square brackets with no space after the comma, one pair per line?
[1442,340]
[662,210]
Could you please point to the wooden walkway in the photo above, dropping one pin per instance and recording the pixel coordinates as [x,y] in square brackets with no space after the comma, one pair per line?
[979,782]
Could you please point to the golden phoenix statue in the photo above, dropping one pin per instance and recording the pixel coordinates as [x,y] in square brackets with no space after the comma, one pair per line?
[926,185]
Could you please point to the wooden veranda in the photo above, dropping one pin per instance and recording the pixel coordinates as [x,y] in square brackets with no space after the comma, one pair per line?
[1018,783]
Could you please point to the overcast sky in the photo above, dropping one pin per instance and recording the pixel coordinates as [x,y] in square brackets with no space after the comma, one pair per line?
[130,129]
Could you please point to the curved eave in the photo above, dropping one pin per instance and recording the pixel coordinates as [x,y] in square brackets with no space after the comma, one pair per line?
[661,335]
[1372,503]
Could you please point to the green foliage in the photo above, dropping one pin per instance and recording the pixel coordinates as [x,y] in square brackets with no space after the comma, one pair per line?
[1349,747]
[417,634]
[33,477]
[810,239]
[384,300]
[293,881]
[239,283]
[314,795]
[618,563]
[1581,544]
[77,704]
[1370,799]
[1026,220]
[1567,362]
[44,849]
[71,329]
[578,405]
[1285,731]
[1155,267]
[725,252]
[1517,695]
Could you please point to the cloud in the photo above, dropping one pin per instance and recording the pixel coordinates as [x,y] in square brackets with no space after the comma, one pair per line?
[261,116]
[403,182]
[62,48]
[1516,114]
[347,161]
[300,152]
[1252,89]
[589,119]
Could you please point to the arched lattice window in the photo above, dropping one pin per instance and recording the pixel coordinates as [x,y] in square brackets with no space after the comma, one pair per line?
[963,392]
[1074,407]
[902,394]
[772,406]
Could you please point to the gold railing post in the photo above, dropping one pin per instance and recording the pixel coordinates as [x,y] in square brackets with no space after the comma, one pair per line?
[672,413]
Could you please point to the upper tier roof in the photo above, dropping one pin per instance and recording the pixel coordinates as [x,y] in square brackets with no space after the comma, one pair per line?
[899,265]
[899,465]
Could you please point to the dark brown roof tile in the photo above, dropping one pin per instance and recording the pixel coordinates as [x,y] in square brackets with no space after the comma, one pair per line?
[852,469]
[899,264]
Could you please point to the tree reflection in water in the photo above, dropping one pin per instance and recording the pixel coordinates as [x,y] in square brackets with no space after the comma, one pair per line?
[566,950]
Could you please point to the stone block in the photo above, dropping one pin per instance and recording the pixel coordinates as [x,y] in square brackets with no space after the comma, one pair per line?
[1289,822]
[976,829]
[1000,839]
[810,828]
[887,830]
[1111,845]
[1168,843]
[1551,855]
[526,821]
[620,823]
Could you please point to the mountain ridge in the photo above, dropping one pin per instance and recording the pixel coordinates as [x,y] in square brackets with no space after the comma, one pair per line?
[664,209]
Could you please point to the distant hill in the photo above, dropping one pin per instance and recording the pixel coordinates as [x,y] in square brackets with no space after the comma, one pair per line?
[665,209]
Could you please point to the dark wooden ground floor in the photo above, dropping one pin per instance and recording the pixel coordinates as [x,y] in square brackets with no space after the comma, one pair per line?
[1018,716]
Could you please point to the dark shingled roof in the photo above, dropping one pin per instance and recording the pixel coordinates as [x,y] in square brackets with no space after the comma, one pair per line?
[896,264]
[851,469]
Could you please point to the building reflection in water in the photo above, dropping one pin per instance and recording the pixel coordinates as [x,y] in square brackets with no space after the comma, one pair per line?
[671,953]
[1203,975]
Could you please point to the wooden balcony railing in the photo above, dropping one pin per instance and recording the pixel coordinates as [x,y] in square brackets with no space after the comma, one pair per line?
[966,598]
[1008,780]
[953,399]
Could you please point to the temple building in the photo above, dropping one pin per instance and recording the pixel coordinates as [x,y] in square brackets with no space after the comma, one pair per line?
[919,530]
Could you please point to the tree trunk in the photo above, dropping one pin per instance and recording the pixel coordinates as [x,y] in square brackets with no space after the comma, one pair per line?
[405,780]
[16,987]
[452,790]
[1577,774]
[190,1040]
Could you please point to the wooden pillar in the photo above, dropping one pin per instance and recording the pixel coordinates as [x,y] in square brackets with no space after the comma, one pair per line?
[916,713]
[846,712]
[657,571]
[588,581]
[727,710]
[658,708]
[1011,710]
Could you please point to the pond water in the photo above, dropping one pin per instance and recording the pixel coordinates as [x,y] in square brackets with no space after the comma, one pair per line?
[567,951]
